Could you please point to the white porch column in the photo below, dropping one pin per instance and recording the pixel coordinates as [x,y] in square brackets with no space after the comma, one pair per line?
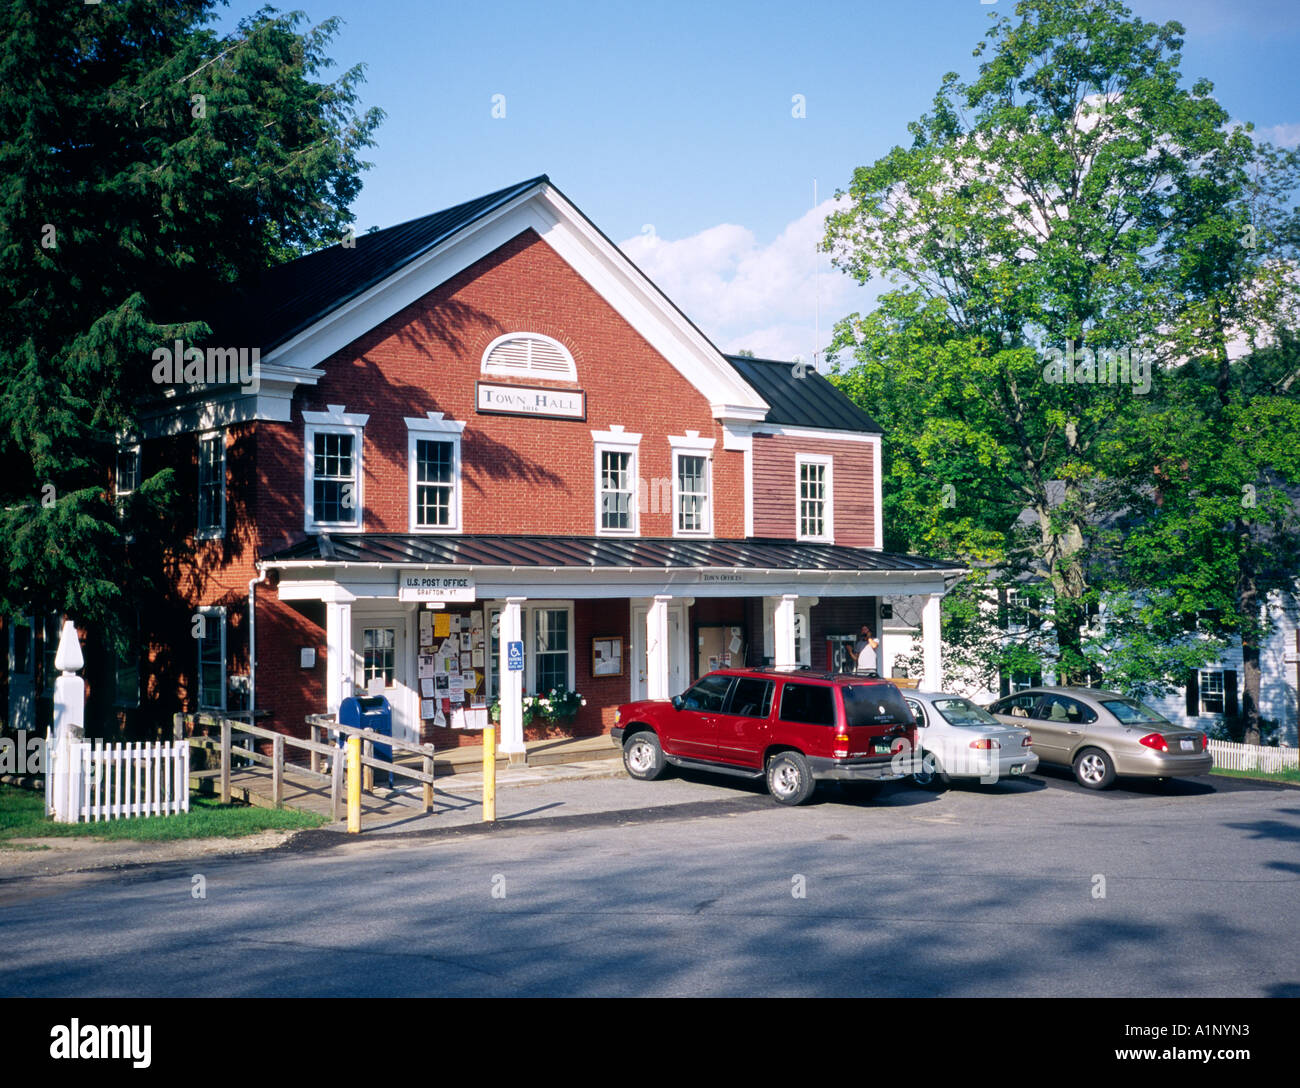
[783,646]
[511,682]
[930,643]
[338,652]
[656,648]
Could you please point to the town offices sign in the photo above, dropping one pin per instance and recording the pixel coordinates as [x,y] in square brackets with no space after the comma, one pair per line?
[522,400]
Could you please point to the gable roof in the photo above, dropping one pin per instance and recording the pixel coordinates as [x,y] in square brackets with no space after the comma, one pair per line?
[293,296]
[807,401]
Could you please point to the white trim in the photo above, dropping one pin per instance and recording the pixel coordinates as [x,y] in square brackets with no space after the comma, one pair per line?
[212,532]
[616,440]
[435,431]
[744,430]
[335,421]
[205,611]
[692,442]
[828,518]
[877,470]
[499,371]
[693,451]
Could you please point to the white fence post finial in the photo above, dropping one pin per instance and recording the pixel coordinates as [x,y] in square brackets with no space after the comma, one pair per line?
[69,725]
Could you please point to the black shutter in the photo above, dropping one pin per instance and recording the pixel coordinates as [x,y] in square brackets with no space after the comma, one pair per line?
[1002,609]
[1037,679]
[1004,685]
[1193,694]
[1229,693]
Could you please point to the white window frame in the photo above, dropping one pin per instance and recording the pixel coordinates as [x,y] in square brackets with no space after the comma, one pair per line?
[210,613]
[692,445]
[530,644]
[217,531]
[333,421]
[616,440]
[434,428]
[499,371]
[1222,693]
[527,621]
[828,514]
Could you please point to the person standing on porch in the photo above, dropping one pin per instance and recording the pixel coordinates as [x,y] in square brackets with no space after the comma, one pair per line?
[865,651]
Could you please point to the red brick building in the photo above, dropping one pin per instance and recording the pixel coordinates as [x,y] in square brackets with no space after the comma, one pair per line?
[488,426]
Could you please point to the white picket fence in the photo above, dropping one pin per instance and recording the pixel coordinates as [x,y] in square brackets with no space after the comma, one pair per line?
[1253,757]
[118,781]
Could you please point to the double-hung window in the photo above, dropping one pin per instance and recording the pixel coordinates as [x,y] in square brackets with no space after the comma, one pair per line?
[692,484]
[550,649]
[433,449]
[212,484]
[813,495]
[617,497]
[333,487]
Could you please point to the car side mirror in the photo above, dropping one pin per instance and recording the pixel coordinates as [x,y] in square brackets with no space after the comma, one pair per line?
[677,702]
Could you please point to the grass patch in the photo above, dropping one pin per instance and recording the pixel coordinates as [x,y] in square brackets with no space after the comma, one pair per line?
[1287,775]
[22,816]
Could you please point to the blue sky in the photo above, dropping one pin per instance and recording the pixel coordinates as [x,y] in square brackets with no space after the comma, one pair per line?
[670,124]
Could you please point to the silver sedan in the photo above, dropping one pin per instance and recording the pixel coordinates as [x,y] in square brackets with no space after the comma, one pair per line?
[957,739]
[1101,734]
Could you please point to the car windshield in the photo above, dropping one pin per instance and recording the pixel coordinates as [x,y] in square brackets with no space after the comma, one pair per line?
[963,712]
[875,704]
[1134,713]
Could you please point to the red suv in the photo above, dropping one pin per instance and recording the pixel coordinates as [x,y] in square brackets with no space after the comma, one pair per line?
[792,726]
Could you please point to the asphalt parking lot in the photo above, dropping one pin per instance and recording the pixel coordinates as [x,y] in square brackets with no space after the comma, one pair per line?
[702,885]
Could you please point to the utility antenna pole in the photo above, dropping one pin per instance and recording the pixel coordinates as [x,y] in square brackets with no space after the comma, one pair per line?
[817,294]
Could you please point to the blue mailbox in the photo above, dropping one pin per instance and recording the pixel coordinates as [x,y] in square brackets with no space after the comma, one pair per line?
[369,712]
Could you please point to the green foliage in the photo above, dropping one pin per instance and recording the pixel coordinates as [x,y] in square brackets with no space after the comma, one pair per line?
[1076,194]
[147,165]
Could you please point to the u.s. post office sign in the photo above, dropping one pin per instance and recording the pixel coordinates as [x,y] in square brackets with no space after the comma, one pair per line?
[523,400]
[423,585]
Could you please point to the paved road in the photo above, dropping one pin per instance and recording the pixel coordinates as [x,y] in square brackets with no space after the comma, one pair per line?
[977,891]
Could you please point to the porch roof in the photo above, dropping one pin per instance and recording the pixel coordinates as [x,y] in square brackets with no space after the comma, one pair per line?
[581,552]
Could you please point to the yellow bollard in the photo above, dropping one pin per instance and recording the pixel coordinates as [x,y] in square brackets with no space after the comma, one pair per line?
[354,785]
[489,773]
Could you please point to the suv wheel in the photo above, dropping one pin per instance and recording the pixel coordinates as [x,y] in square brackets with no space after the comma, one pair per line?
[789,778]
[643,757]
[1093,769]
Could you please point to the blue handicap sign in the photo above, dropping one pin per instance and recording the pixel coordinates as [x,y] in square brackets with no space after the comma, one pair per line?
[515,656]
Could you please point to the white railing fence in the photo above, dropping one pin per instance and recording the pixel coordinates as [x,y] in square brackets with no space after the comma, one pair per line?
[1253,757]
[117,781]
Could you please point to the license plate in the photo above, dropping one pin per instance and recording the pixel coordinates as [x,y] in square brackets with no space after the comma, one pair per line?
[1189,746]
[1019,768]
[884,747]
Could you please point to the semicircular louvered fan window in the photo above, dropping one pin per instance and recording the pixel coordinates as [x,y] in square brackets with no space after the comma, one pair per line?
[529,355]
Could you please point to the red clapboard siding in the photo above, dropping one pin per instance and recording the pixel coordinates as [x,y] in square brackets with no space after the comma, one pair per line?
[852,482]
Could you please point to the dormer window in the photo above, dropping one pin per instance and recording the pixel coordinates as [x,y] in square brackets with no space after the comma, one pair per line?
[529,355]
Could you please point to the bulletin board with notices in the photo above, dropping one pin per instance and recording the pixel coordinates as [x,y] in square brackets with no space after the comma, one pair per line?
[452,668]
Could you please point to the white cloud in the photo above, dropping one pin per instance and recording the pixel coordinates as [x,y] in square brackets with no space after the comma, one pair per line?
[747,295]
[1287,135]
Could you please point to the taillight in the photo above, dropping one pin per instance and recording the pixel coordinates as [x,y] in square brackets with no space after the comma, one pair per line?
[1205,742]
[840,750]
[985,743]
[1156,741]
[1028,742]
